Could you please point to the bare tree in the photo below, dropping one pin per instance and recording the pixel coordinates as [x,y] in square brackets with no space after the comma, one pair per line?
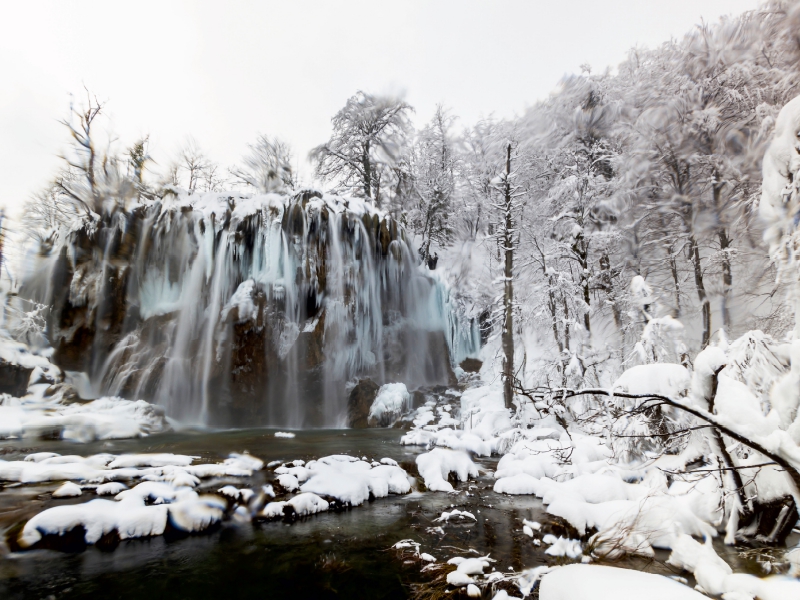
[268,166]
[83,158]
[194,161]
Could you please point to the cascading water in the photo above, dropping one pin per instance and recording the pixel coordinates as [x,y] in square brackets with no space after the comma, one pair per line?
[237,310]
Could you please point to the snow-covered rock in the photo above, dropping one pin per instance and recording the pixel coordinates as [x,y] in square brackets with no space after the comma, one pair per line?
[581,582]
[390,403]
[68,490]
[435,466]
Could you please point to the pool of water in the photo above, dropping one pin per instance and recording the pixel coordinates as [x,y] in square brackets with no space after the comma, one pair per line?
[331,555]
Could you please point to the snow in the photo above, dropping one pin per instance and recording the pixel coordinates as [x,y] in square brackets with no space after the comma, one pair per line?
[427,557]
[130,518]
[454,514]
[288,482]
[150,460]
[466,568]
[562,546]
[596,582]
[716,577]
[192,512]
[436,465]
[68,490]
[662,378]
[303,505]
[106,418]
[112,488]
[100,468]
[352,481]
[780,162]
[166,482]
[390,403]
[242,301]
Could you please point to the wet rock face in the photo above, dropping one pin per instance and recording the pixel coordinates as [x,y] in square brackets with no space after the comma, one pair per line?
[359,402]
[14,379]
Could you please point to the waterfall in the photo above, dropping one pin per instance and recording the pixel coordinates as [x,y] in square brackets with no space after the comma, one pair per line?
[235,310]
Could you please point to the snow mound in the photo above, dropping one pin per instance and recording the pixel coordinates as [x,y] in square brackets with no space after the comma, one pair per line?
[435,466]
[716,577]
[663,379]
[352,481]
[68,490]
[100,468]
[579,582]
[301,505]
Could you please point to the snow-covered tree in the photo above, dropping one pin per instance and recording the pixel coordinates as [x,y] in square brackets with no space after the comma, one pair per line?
[369,135]
[434,178]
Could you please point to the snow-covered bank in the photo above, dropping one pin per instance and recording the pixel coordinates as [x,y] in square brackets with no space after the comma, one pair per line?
[580,582]
[101,419]
[48,405]
[625,487]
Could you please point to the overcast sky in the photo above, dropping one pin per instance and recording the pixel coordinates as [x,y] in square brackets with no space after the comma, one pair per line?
[224,71]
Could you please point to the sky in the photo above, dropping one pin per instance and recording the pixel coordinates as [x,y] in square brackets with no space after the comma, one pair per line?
[223,72]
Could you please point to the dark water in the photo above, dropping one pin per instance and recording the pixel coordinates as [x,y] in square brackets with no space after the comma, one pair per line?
[331,555]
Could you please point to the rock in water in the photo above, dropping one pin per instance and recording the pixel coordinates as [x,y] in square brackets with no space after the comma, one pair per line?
[359,403]
[471,365]
[14,379]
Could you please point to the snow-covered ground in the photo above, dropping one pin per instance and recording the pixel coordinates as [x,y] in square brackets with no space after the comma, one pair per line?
[48,410]
[622,503]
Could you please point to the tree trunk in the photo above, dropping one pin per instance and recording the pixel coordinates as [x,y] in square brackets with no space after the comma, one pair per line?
[508,295]
[581,251]
[694,252]
[367,171]
[724,244]
[727,279]
[673,267]
[719,446]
